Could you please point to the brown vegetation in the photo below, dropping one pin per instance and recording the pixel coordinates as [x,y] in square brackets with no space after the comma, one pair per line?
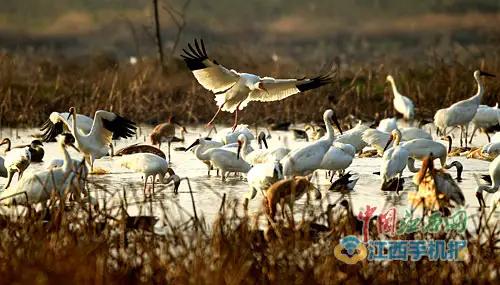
[69,246]
[32,87]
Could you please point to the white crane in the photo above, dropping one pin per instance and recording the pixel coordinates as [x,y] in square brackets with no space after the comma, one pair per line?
[223,159]
[421,149]
[228,136]
[96,143]
[485,117]
[261,176]
[233,90]
[402,104]
[492,148]
[354,137]
[461,113]
[338,157]
[39,186]
[387,125]
[494,171]
[308,158]
[379,139]
[16,160]
[258,156]
[62,122]
[150,165]
[394,160]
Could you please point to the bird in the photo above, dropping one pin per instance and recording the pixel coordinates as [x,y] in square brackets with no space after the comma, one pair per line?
[58,123]
[436,187]
[16,160]
[394,160]
[402,104]
[150,165]
[492,148]
[261,176]
[486,117]
[421,149]
[96,143]
[338,157]
[229,136]
[288,191]
[494,172]
[79,167]
[140,148]
[461,113]
[344,184]
[354,137]
[387,125]
[36,150]
[308,158]
[378,139]
[233,90]
[222,159]
[258,156]
[209,143]
[41,185]
[165,132]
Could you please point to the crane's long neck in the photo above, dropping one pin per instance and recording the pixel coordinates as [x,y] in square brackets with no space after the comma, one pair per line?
[487,188]
[67,164]
[394,88]
[480,91]
[201,152]
[329,130]
[73,127]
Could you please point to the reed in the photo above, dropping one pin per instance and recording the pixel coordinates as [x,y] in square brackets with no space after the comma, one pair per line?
[32,87]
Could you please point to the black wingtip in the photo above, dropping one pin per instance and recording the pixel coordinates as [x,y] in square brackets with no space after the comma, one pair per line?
[195,56]
[315,82]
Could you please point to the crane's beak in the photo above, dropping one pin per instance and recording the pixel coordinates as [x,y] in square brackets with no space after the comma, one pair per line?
[483,73]
[239,149]
[195,143]
[265,142]
[391,138]
[336,122]
[74,147]
[71,112]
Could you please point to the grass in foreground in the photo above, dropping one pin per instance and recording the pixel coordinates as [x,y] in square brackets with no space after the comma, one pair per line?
[76,245]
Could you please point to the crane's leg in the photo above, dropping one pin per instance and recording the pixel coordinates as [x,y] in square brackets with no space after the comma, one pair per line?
[216,113]
[236,117]
[168,151]
[397,185]
[145,185]
[461,132]
[466,133]
[487,135]
[473,133]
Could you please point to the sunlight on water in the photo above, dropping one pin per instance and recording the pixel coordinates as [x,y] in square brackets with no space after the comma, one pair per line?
[208,191]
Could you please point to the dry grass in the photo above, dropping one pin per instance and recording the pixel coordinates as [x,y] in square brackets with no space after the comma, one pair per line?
[31,87]
[70,247]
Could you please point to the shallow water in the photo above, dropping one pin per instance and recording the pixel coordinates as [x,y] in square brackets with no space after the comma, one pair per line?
[208,191]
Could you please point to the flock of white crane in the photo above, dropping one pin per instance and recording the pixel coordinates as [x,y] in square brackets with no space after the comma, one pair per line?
[231,150]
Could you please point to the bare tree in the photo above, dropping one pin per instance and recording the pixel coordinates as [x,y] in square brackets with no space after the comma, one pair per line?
[178,16]
[159,42]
